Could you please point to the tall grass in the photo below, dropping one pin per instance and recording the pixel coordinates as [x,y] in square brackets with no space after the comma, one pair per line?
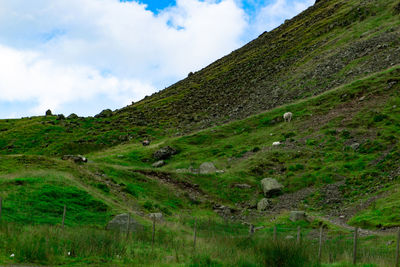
[50,245]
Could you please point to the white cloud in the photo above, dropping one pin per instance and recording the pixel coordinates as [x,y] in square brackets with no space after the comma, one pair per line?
[27,76]
[274,14]
[57,53]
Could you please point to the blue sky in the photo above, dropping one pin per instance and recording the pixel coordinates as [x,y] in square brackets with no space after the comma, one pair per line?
[83,56]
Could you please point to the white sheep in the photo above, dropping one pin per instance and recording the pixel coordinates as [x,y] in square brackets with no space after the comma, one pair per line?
[288,116]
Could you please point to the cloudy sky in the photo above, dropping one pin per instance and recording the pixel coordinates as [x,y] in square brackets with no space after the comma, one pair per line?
[83,56]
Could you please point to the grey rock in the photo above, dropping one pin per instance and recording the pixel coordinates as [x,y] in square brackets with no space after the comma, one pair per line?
[297,216]
[242,186]
[271,187]
[75,158]
[355,146]
[158,216]
[158,164]
[164,153]
[263,204]
[49,113]
[207,168]
[120,222]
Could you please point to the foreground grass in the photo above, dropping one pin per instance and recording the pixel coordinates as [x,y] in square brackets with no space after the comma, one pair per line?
[49,245]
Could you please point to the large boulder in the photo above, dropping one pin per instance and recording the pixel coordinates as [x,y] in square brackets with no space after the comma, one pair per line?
[298,216]
[271,187]
[263,204]
[75,158]
[207,168]
[49,113]
[120,223]
[164,153]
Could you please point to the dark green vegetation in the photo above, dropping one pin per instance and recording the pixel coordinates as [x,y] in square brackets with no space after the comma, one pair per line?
[335,67]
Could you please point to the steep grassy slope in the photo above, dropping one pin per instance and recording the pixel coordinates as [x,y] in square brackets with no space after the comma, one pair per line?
[348,136]
[331,43]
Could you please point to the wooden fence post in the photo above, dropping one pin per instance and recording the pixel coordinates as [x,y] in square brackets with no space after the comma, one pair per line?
[274,233]
[194,234]
[398,247]
[1,206]
[154,232]
[320,244]
[355,246]
[298,234]
[64,214]
[128,222]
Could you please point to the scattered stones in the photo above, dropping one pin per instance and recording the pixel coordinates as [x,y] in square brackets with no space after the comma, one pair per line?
[271,187]
[165,153]
[158,216]
[298,216]
[263,204]
[75,158]
[222,210]
[104,114]
[158,164]
[120,222]
[146,142]
[188,170]
[207,168]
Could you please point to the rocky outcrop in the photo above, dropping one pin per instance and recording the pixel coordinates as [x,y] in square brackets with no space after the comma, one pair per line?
[120,223]
[165,153]
[271,187]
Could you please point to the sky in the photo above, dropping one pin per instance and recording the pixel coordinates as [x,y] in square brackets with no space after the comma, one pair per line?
[83,56]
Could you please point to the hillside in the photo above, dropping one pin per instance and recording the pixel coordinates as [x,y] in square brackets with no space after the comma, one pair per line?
[321,168]
[330,44]
[336,67]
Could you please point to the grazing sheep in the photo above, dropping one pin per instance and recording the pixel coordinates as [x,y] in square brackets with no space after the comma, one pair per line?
[288,116]
[276,143]
[146,143]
